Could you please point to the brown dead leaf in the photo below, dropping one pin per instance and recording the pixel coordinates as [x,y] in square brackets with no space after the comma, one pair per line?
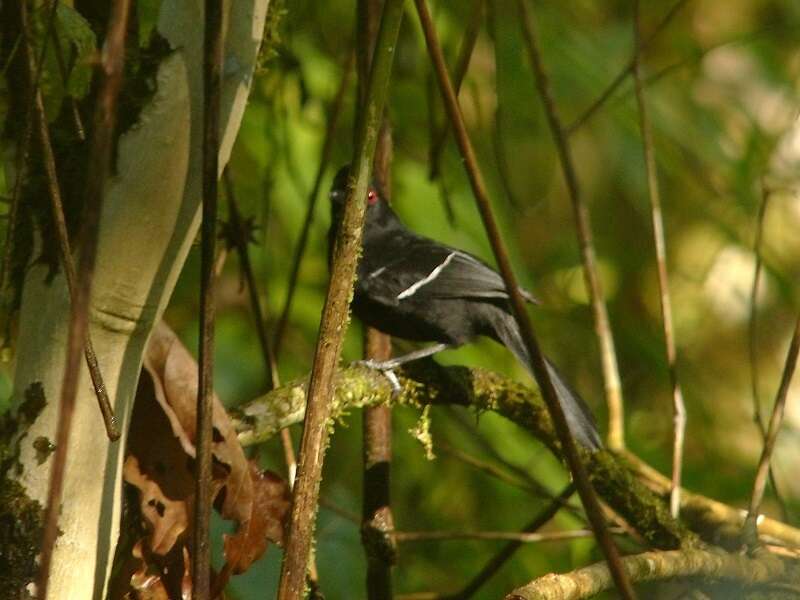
[174,372]
[266,522]
[159,464]
[161,577]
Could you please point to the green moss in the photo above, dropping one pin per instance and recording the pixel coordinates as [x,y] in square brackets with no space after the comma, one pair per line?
[20,517]
[20,534]
[615,482]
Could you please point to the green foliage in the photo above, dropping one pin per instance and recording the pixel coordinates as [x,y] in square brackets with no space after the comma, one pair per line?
[76,36]
[722,89]
[709,78]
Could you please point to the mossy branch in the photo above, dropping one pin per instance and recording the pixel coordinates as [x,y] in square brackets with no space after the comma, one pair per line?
[424,383]
[765,569]
[628,484]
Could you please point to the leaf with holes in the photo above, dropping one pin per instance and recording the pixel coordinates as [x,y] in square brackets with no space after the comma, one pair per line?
[265,524]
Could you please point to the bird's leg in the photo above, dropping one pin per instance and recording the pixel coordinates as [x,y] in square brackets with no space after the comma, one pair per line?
[393,363]
[387,366]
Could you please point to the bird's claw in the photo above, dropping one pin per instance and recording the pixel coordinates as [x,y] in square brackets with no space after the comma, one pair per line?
[378,365]
[387,368]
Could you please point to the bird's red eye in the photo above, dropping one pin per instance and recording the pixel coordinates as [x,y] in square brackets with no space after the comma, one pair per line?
[372,197]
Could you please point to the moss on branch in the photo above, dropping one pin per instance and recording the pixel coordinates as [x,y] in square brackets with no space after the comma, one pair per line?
[427,383]
[765,570]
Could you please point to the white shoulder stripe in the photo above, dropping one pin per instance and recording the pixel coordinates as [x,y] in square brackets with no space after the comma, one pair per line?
[376,272]
[411,290]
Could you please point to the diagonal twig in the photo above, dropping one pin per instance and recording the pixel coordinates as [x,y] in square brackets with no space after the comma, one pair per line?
[468,42]
[518,538]
[240,239]
[80,132]
[498,560]
[302,242]
[750,528]
[678,407]
[585,490]
[617,81]
[752,337]
[110,78]
[212,81]
[605,338]
[498,131]
[36,119]
[334,314]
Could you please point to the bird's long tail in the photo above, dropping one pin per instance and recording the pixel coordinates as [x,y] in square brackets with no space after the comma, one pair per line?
[579,417]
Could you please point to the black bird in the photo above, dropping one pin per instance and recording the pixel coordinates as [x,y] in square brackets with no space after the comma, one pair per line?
[415,288]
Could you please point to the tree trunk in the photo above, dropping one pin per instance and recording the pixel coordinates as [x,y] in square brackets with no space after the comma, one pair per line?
[150,217]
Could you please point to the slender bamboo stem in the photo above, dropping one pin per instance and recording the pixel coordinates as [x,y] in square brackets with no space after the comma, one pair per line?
[504,555]
[518,538]
[35,114]
[585,490]
[302,242]
[334,314]
[752,339]
[583,229]
[468,42]
[617,81]
[110,77]
[212,82]
[750,527]
[678,407]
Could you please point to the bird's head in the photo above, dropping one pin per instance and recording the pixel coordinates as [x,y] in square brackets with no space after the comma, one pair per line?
[340,187]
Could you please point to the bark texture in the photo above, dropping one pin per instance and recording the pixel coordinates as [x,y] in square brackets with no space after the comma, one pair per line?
[150,217]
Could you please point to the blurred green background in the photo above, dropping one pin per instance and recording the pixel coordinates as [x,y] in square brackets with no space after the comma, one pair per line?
[722,89]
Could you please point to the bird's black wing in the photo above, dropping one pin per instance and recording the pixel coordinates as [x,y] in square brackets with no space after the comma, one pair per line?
[423,269]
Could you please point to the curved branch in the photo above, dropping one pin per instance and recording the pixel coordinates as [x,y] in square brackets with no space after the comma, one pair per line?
[654,566]
[425,382]
[624,481]
[715,522]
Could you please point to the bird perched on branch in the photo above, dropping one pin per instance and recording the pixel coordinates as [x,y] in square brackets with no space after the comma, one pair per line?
[415,288]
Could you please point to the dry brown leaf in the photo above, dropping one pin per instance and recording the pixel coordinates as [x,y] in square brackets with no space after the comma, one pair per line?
[266,522]
[158,466]
[159,463]
[174,372]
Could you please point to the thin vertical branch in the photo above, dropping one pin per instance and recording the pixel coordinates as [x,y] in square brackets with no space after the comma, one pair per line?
[617,81]
[753,325]
[377,520]
[36,118]
[498,137]
[459,72]
[616,417]
[506,552]
[302,242]
[62,68]
[240,238]
[587,494]
[750,528]
[752,337]
[212,72]
[110,77]
[334,314]
[33,76]
[678,407]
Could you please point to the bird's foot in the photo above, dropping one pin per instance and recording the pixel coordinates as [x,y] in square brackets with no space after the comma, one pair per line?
[387,368]
[380,365]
